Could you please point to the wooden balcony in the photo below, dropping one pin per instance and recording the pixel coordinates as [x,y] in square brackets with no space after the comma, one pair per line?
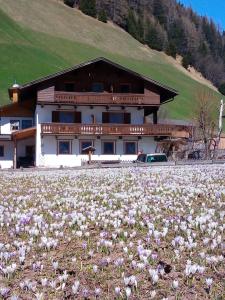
[114,129]
[105,98]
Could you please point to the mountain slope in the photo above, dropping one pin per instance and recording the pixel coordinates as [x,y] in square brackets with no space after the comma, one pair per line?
[33,49]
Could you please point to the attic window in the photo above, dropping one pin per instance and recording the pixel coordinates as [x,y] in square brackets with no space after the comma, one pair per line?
[125,88]
[97,87]
[69,87]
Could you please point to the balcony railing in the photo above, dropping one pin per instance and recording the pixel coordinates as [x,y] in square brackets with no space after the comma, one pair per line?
[105,98]
[114,129]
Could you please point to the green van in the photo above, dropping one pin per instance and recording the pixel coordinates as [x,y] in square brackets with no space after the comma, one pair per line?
[151,158]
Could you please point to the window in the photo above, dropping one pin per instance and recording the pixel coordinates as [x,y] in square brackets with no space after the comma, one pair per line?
[97,87]
[1,151]
[108,147]
[116,117]
[142,158]
[157,158]
[125,88]
[69,87]
[64,147]
[27,124]
[85,144]
[130,147]
[14,125]
[66,117]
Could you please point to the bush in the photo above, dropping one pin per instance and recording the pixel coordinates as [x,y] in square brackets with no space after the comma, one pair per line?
[70,3]
[102,16]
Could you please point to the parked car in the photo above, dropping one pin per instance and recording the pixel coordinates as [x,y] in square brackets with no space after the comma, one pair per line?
[151,158]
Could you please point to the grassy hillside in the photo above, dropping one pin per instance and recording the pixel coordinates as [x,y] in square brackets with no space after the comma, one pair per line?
[41,37]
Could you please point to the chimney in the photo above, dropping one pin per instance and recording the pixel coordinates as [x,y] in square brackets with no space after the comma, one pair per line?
[15,92]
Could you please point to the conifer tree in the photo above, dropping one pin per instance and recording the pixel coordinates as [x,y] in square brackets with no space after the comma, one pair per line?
[154,38]
[88,7]
[132,24]
[102,16]
[159,12]
[171,50]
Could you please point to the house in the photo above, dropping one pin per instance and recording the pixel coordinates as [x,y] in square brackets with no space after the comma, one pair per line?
[98,104]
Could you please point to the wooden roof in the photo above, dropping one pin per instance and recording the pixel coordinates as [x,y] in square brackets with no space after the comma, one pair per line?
[165,90]
[16,110]
[24,134]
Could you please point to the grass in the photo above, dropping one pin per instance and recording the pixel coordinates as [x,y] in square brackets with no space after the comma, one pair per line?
[26,54]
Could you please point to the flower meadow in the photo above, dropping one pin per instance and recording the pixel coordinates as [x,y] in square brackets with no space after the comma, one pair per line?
[132,233]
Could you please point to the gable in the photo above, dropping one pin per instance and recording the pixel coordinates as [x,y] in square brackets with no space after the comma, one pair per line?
[96,70]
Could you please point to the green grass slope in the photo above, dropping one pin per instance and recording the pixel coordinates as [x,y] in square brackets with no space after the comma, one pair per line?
[27,54]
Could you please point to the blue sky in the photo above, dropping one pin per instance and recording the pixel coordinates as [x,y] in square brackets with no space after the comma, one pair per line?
[214,9]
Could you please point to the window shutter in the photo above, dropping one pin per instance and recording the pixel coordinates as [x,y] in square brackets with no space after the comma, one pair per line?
[127,118]
[77,117]
[105,117]
[55,116]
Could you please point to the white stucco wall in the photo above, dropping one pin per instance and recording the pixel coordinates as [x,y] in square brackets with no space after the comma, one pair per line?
[6,161]
[5,123]
[45,113]
[48,156]
[46,146]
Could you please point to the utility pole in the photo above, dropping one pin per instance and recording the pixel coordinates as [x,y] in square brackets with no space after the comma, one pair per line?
[220,127]
[221,118]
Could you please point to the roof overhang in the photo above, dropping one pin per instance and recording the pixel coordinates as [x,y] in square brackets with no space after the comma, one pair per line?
[167,93]
[24,134]
[16,110]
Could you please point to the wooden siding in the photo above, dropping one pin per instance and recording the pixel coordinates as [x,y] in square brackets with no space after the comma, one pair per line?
[112,129]
[46,95]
